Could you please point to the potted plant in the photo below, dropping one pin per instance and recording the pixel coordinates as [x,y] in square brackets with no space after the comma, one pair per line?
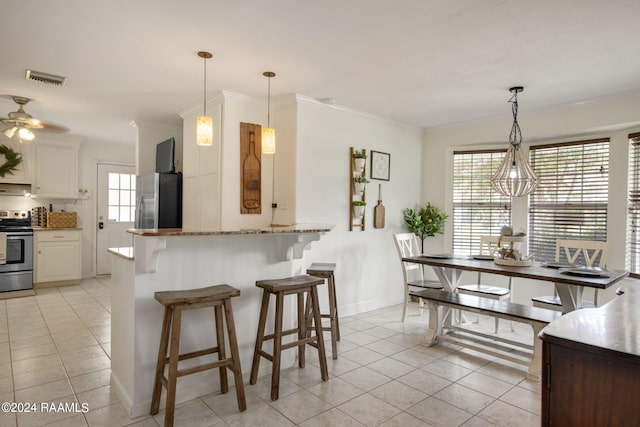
[359,159]
[426,222]
[358,208]
[359,182]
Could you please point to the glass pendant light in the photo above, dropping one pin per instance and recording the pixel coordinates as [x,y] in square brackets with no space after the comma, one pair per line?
[514,176]
[204,123]
[268,133]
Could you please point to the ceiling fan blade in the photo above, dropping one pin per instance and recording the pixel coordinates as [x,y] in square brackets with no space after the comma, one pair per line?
[51,127]
[21,118]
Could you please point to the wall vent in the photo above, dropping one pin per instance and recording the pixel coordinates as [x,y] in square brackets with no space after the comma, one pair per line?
[46,78]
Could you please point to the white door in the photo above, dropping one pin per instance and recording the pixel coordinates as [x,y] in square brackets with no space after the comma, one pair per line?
[116,211]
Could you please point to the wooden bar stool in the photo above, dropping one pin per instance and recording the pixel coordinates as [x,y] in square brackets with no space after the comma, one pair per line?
[175,302]
[298,285]
[325,271]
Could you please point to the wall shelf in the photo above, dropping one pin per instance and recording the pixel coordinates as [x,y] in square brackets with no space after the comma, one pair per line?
[357,167]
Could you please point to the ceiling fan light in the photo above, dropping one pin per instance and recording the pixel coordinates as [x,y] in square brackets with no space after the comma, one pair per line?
[268,141]
[26,134]
[9,132]
[204,131]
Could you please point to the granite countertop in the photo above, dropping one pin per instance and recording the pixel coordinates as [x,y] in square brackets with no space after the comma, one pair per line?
[288,229]
[612,327]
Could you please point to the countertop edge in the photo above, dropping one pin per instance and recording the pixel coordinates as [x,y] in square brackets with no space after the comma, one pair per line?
[606,328]
[124,252]
[56,228]
[289,229]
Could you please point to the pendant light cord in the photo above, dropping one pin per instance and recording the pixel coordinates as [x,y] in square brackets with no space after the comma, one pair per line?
[204,93]
[269,103]
[515,137]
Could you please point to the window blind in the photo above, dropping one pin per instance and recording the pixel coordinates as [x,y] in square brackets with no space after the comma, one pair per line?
[571,199]
[478,209]
[633,206]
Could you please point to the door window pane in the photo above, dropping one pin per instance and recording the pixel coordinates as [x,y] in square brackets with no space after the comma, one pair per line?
[121,197]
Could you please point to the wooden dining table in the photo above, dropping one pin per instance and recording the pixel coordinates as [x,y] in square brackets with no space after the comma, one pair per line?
[569,287]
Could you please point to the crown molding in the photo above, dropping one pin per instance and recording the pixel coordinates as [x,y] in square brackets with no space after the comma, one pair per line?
[309,100]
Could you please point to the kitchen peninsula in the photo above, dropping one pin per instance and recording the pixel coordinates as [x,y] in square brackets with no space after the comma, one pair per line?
[172,259]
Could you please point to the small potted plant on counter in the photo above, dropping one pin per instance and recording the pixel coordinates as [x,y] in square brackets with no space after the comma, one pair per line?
[359,182]
[358,208]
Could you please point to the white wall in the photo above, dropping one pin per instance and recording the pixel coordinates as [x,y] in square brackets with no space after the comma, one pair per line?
[201,170]
[242,109]
[368,272]
[91,153]
[613,118]
[149,135]
[212,174]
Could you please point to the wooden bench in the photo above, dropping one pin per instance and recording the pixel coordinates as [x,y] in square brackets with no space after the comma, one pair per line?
[536,317]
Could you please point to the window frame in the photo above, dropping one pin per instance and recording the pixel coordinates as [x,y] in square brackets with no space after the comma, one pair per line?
[497,207]
[558,211]
[632,246]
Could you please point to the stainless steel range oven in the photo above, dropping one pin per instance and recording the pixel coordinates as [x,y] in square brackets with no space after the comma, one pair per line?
[17,272]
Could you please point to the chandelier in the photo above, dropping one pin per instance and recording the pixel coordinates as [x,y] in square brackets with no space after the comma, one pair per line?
[514,176]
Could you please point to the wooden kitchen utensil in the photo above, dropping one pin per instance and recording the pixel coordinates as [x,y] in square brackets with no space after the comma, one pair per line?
[378,211]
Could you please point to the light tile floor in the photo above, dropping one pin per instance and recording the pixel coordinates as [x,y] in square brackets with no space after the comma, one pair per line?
[54,348]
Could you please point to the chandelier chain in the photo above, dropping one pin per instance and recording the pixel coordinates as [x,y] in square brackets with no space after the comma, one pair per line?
[515,137]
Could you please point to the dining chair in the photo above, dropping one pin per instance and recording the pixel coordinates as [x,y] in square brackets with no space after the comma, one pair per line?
[591,251]
[413,274]
[488,246]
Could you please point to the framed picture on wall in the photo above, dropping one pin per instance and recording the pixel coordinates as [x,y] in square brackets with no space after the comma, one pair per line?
[380,163]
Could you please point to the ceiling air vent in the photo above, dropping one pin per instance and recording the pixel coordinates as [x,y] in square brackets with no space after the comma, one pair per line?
[46,78]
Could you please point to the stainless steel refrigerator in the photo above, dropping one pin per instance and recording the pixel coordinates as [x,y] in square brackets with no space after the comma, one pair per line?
[159,200]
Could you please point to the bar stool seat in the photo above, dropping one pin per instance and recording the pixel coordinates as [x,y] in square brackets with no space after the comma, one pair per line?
[326,271]
[175,302]
[298,285]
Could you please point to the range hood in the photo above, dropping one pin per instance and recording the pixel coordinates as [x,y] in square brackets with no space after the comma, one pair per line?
[15,189]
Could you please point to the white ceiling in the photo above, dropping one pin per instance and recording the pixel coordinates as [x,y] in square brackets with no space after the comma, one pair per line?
[421,62]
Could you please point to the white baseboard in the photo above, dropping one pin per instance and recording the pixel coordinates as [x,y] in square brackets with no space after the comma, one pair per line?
[364,306]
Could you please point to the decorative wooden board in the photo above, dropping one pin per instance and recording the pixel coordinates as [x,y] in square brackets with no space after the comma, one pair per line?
[378,211]
[250,168]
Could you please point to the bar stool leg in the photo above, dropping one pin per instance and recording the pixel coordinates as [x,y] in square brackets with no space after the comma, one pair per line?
[260,338]
[277,347]
[224,384]
[302,329]
[174,353]
[320,340]
[162,357]
[333,319]
[233,347]
[332,291]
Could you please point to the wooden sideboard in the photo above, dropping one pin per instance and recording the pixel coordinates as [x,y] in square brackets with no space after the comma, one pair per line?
[591,364]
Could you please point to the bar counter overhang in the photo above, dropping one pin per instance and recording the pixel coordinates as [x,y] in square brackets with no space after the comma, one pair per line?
[172,259]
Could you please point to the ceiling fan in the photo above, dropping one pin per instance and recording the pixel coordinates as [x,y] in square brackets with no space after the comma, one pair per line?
[19,123]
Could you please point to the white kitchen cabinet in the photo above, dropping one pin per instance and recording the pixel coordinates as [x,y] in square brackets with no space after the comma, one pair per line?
[23,174]
[57,255]
[56,171]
